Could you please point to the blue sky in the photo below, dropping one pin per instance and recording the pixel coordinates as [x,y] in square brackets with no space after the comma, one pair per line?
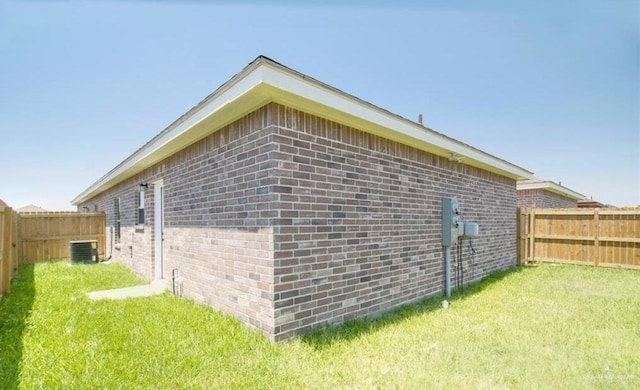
[550,86]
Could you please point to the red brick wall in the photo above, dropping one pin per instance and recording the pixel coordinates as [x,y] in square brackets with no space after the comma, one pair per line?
[289,221]
[541,198]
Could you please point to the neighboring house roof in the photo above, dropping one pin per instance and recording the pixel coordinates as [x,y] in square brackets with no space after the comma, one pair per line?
[537,183]
[264,81]
[30,209]
[590,203]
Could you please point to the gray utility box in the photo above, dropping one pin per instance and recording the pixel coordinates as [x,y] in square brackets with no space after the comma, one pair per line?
[471,230]
[83,251]
[450,221]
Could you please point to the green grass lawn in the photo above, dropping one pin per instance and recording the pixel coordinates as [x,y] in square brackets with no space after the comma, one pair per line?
[537,327]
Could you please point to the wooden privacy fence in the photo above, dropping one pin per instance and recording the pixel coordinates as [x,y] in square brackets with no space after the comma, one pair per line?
[8,247]
[599,237]
[45,236]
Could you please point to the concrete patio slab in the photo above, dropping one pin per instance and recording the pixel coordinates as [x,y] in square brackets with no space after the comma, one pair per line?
[146,290]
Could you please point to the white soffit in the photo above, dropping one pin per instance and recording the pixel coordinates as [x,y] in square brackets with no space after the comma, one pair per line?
[237,97]
[265,81]
[320,99]
[550,186]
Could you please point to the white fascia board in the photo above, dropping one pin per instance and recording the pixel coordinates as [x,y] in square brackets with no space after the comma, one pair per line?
[191,121]
[263,81]
[550,186]
[165,143]
[364,112]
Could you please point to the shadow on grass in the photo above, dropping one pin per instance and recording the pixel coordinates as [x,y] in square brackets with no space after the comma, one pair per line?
[325,337]
[14,313]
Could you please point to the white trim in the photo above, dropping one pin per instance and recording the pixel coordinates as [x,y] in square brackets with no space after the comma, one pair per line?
[158,229]
[391,126]
[180,134]
[265,81]
[550,186]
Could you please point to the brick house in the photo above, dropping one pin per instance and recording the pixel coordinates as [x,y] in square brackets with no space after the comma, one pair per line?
[290,204]
[539,193]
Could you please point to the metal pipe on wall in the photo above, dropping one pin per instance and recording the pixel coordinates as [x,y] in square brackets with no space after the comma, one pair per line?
[447,271]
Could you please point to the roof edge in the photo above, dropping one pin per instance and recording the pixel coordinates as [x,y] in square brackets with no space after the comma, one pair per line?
[167,134]
[230,100]
[550,186]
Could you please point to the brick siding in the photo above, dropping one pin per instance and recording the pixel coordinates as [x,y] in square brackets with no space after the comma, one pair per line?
[360,226]
[217,212]
[289,221]
[541,198]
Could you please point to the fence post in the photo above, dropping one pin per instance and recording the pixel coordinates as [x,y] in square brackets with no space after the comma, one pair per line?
[19,240]
[596,243]
[532,235]
[525,224]
[15,244]
[522,235]
[9,249]
[3,211]
[518,236]
[5,251]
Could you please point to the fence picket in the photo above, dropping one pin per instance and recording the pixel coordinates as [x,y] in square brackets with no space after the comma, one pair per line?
[598,237]
[45,236]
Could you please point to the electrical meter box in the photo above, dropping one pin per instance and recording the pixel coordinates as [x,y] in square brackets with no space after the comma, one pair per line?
[471,230]
[450,221]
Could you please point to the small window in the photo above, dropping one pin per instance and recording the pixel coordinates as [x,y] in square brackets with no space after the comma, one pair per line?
[116,216]
[140,206]
[95,207]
